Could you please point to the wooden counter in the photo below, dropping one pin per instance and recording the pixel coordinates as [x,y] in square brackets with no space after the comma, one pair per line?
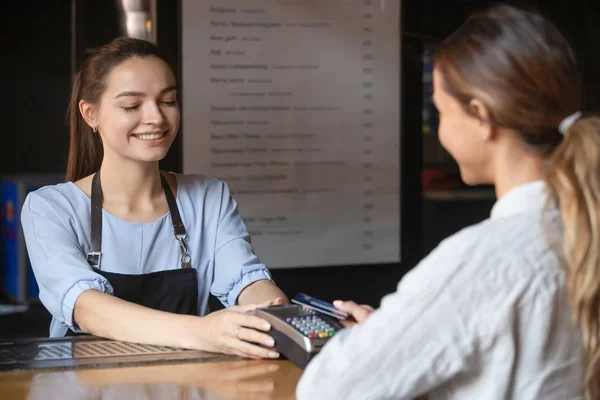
[240,379]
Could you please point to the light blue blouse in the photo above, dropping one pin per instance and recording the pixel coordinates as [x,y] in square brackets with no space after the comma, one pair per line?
[56,225]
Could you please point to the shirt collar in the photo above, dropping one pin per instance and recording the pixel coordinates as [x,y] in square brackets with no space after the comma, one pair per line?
[525,198]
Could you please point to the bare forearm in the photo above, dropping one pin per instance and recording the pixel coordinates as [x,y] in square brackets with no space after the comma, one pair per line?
[261,291]
[110,317]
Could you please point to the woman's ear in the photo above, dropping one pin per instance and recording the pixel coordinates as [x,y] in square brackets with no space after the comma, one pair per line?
[88,113]
[484,115]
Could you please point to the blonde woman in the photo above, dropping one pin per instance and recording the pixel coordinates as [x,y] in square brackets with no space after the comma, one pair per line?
[508,308]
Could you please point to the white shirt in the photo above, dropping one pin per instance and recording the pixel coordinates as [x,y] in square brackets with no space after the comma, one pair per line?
[484,316]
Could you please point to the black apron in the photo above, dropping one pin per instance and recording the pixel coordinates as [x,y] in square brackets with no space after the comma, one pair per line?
[173,290]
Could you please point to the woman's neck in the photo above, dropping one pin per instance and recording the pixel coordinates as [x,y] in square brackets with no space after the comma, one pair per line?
[131,184]
[515,167]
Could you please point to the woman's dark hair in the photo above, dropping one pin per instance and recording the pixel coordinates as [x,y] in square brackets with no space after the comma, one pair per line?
[521,67]
[85,147]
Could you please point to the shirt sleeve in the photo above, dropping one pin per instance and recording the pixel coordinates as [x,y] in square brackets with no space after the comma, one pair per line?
[58,262]
[414,342]
[236,265]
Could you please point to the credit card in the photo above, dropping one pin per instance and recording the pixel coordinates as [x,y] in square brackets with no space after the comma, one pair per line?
[319,305]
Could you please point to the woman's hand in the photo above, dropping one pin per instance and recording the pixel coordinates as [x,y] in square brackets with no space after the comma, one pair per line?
[358,313]
[232,331]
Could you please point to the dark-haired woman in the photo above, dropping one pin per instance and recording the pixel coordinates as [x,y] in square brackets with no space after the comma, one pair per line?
[125,251]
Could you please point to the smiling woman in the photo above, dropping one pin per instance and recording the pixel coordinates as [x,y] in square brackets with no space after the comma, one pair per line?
[136,124]
[138,101]
[125,251]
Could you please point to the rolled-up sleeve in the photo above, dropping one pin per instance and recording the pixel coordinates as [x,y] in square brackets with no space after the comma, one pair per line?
[236,265]
[415,341]
[57,259]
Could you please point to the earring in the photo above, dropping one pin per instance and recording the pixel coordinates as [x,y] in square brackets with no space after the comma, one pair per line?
[95,129]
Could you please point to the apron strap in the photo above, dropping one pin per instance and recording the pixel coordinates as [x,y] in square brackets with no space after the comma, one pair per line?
[178,227]
[94,256]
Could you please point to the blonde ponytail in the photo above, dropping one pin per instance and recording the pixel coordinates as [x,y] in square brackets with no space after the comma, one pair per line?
[530,90]
[573,179]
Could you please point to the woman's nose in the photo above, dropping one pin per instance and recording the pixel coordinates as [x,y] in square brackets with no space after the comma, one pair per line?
[153,114]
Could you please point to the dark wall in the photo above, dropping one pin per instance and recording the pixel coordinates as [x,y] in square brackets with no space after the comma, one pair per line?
[34,86]
[577,19]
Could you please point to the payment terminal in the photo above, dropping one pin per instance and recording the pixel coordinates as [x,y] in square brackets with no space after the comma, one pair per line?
[299,332]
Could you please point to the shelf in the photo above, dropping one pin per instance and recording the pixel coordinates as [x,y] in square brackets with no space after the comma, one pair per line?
[6,309]
[460,194]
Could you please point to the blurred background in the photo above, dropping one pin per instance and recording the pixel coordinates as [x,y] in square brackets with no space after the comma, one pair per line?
[44,42]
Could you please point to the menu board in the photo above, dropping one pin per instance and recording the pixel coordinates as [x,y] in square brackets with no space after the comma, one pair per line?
[296,105]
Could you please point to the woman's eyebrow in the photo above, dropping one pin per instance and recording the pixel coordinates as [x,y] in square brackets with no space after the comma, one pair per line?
[133,93]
